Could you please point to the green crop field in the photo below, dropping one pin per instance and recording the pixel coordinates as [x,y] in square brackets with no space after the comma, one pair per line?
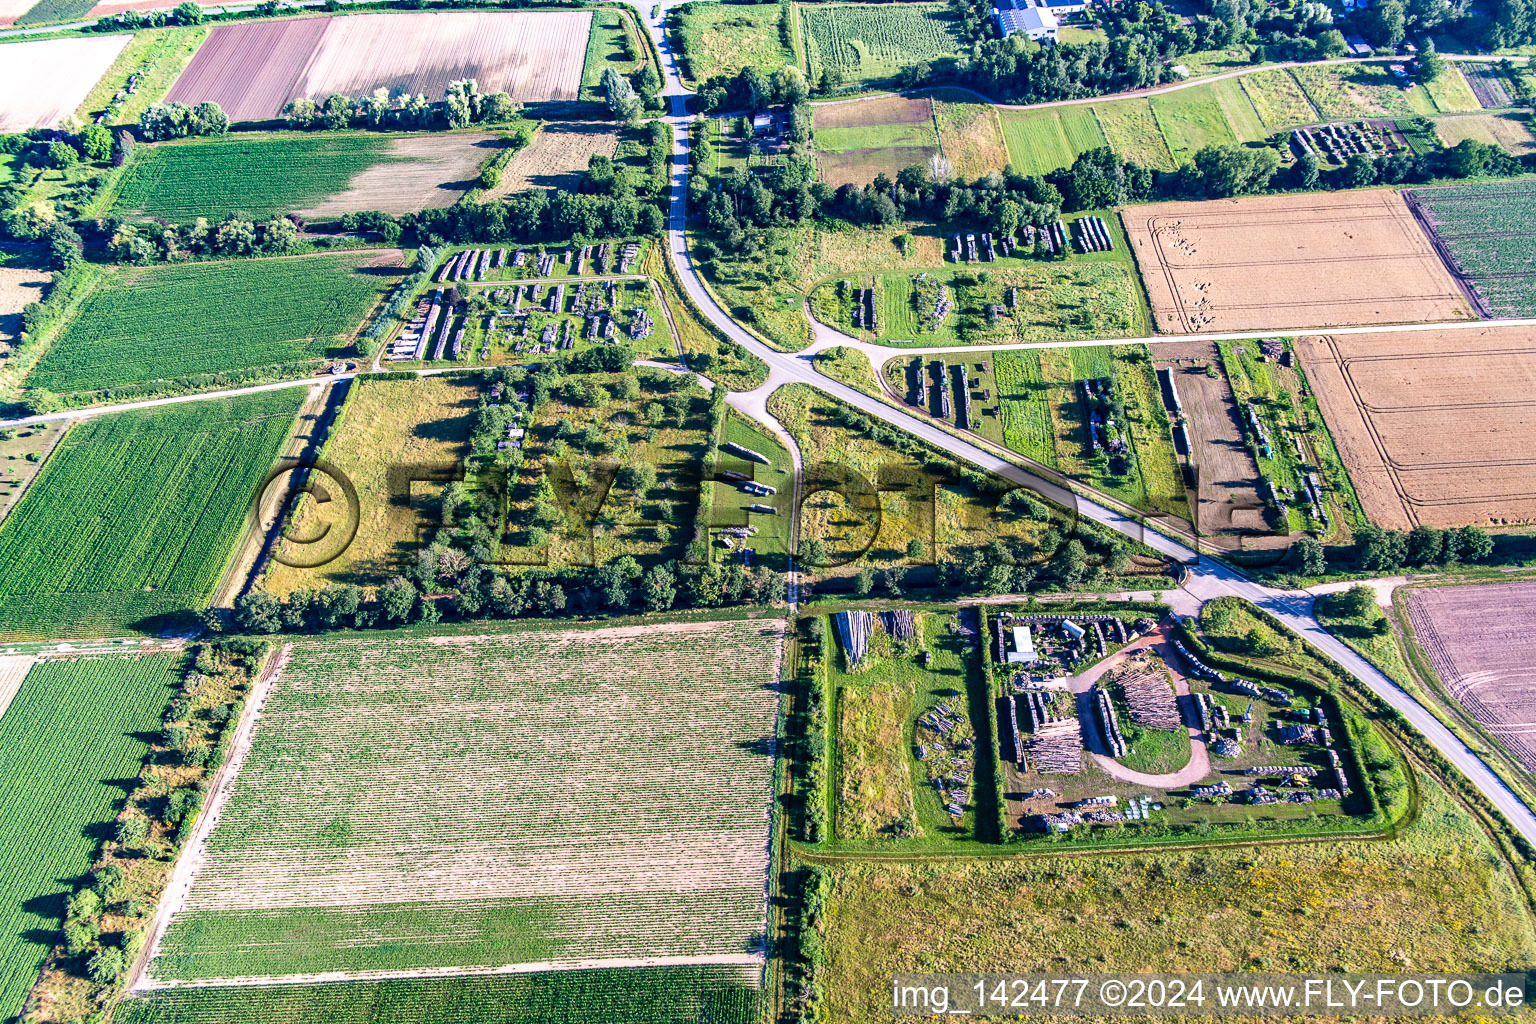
[642,995]
[134,515]
[721,39]
[875,136]
[1278,100]
[49,11]
[1132,131]
[258,175]
[1042,141]
[69,737]
[165,323]
[496,798]
[1191,120]
[871,42]
[1491,232]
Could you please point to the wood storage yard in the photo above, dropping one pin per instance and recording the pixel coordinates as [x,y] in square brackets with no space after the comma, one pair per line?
[1289,261]
[544,797]
[1435,427]
[41,83]
[253,69]
[1478,640]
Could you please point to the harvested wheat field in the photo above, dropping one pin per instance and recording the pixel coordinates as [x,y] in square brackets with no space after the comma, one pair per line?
[1478,640]
[877,110]
[556,158]
[41,83]
[1435,427]
[477,800]
[417,173]
[253,69]
[1290,261]
[18,286]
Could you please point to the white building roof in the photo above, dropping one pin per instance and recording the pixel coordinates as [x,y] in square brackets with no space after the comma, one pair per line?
[1031,20]
[1023,646]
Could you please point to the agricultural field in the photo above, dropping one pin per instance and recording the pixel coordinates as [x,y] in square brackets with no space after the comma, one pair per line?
[252,69]
[1483,233]
[1272,262]
[869,43]
[68,738]
[638,995]
[602,793]
[1349,92]
[1438,896]
[421,422]
[1509,131]
[41,83]
[1132,131]
[1192,119]
[52,11]
[1042,141]
[134,515]
[319,176]
[1475,638]
[1278,99]
[10,10]
[161,323]
[1489,84]
[882,788]
[971,137]
[1059,300]
[859,139]
[721,39]
[1431,426]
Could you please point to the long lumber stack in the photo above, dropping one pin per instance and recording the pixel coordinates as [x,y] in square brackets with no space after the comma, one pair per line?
[1057,748]
[1149,698]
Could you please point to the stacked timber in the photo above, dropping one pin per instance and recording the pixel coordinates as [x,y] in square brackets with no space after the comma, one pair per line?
[853,629]
[1109,725]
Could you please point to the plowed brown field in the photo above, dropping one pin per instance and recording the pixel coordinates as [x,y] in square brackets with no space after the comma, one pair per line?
[1290,261]
[252,70]
[1436,427]
[1478,639]
[556,158]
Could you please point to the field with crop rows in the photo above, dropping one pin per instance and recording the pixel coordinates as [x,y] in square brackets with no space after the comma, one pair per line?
[870,42]
[1278,99]
[164,323]
[492,799]
[67,739]
[1484,233]
[320,174]
[134,515]
[1041,141]
[641,995]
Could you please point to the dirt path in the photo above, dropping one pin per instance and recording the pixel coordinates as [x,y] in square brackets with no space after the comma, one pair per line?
[13,669]
[193,853]
[749,960]
[1199,764]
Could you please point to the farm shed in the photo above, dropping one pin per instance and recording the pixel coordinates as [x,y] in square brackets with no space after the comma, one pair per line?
[1023,652]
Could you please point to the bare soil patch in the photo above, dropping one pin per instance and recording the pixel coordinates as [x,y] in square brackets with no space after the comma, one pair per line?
[10,10]
[18,286]
[1478,639]
[877,110]
[556,158]
[1435,427]
[41,83]
[1229,498]
[862,166]
[440,169]
[1288,262]
[253,69]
